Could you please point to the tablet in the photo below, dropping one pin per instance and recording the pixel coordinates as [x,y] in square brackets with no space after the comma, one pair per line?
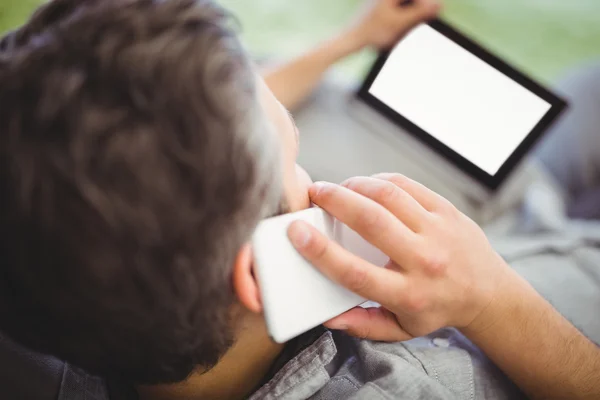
[464,103]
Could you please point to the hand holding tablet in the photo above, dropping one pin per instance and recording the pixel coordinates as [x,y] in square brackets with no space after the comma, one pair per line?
[462,102]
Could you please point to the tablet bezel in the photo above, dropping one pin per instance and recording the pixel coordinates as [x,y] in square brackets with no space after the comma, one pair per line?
[492,182]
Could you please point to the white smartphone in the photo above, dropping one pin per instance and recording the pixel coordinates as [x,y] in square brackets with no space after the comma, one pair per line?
[297,297]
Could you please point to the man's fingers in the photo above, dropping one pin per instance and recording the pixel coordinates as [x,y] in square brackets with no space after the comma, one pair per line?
[370,220]
[417,11]
[370,323]
[357,275]
[430,200]
[408,210]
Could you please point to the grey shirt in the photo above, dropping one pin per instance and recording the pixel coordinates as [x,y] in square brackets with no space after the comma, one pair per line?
[333,365]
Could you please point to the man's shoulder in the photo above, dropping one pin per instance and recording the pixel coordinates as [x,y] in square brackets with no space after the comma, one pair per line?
[332,365]
[439,366]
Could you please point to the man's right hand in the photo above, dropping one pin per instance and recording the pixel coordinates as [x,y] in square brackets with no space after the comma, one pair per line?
[442,270]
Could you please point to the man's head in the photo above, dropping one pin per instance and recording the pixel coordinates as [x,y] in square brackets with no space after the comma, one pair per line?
[138,151]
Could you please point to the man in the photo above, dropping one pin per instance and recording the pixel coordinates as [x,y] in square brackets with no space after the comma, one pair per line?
[443,271]
[139,150]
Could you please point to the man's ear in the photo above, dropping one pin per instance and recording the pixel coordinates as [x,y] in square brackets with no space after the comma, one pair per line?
[244,283]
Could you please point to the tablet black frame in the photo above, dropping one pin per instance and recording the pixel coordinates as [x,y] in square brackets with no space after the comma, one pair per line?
[492,182]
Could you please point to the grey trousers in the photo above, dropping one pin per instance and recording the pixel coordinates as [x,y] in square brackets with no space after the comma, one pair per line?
[571,150]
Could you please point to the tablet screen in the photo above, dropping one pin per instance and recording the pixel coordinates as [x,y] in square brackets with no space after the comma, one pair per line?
[460,100]
[457,98]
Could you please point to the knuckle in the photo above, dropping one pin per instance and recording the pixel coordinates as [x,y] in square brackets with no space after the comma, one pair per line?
[435,265]
[422,259]
[453,212]
[369,222]
[361,332]
[318,248]
[446,207]
[415,303]
[355,278]
[386,193]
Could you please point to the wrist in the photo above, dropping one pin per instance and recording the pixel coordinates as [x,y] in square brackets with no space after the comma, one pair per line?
[348,42]
[506,305]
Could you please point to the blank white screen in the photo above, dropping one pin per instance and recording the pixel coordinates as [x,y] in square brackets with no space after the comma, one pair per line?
[463,102]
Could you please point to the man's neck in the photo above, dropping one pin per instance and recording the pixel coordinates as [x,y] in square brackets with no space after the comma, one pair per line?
[239,372]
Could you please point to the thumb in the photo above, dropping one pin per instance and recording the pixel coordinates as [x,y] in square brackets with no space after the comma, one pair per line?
[375,323]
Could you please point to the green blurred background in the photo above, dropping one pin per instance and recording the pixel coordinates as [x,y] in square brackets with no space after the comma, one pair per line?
[542,37]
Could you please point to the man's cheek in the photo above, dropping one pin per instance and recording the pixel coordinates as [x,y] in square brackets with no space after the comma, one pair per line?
[304,180]
[299,196]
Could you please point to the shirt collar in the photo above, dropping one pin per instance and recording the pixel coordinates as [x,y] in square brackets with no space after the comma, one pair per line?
[305,373]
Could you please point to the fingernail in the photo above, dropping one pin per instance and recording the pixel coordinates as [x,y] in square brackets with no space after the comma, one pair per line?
[337,326]
[348,183]
[299,234]
[317,188]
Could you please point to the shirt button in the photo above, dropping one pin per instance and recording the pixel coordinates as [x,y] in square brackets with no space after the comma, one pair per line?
[441,342]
